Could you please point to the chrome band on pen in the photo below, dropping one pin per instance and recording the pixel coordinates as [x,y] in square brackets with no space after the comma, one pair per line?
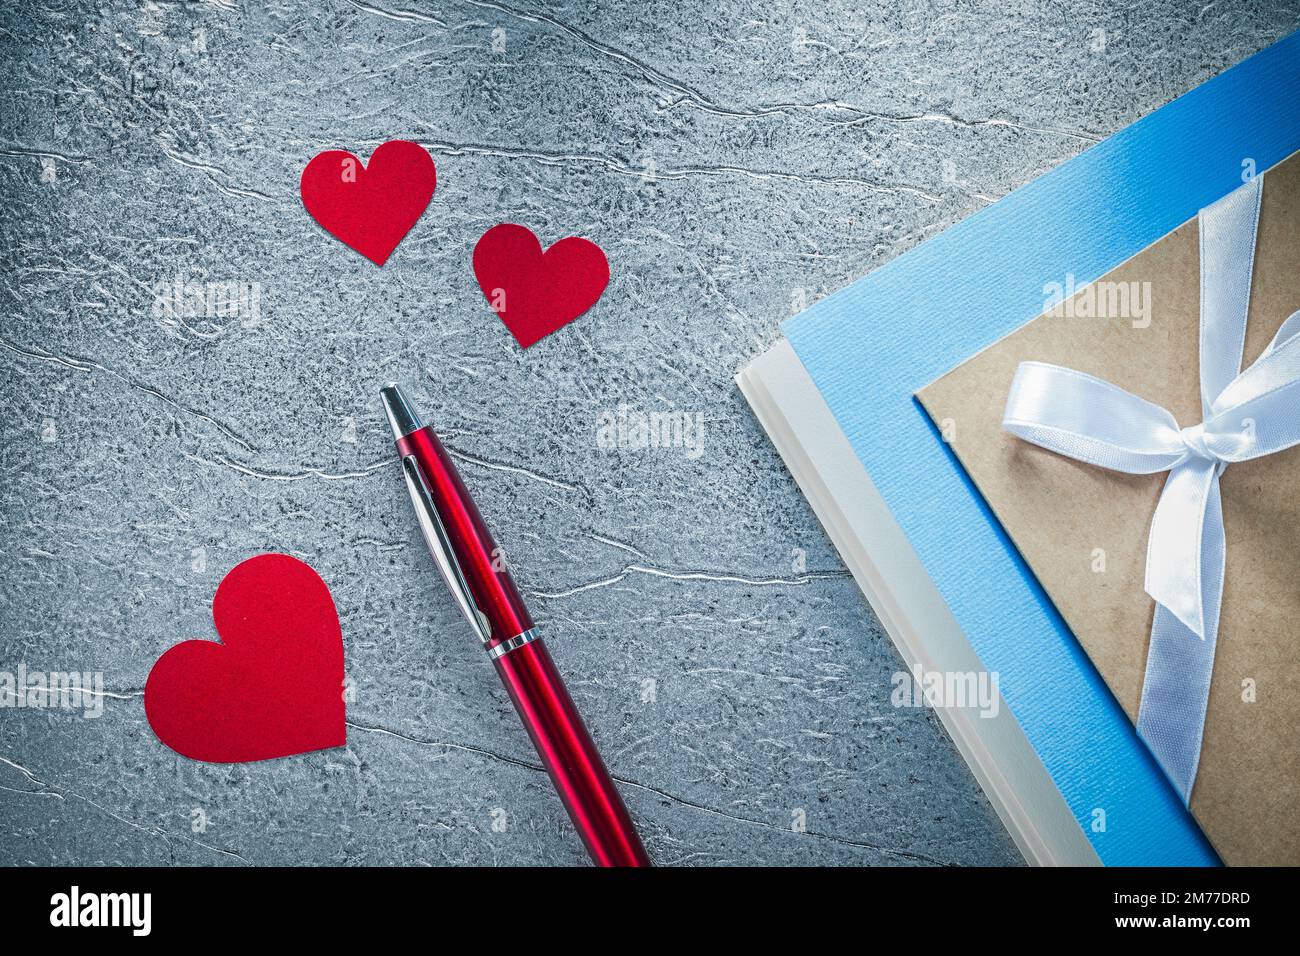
[514,643]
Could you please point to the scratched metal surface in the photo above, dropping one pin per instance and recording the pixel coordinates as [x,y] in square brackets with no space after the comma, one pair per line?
[733,159]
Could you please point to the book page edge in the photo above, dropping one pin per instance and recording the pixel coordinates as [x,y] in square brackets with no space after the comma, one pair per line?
[908,604]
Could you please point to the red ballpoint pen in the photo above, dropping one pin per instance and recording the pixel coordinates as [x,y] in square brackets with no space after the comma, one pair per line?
[469,561]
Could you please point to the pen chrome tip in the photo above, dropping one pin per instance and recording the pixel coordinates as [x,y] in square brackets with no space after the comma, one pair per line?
[402,415]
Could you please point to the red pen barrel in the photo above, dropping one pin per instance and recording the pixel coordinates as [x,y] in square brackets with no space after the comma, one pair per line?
[570,756]
[535,687]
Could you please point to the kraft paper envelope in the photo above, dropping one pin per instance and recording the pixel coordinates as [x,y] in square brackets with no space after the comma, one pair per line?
[1083,530]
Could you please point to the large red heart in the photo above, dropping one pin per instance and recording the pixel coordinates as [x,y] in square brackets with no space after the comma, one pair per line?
[536,292]
[273,686]
[370,208]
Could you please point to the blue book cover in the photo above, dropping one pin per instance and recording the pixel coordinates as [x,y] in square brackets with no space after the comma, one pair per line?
[872,345]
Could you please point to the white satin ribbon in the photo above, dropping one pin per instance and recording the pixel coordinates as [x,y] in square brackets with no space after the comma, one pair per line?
[1246,415]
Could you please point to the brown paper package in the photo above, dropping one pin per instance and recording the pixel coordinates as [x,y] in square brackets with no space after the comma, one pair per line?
[1083,530]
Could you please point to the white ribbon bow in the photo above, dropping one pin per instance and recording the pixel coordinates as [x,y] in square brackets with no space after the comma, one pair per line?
[1246,415]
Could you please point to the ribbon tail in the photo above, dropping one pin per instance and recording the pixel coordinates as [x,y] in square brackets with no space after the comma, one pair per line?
[1175,697]
[1185,543]
[1180,663]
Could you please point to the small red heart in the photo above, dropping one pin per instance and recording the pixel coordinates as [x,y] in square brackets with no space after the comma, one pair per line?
[272,687]
[370,208]
[536,292]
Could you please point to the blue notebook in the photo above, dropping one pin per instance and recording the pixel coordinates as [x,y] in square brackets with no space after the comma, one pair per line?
[869,347]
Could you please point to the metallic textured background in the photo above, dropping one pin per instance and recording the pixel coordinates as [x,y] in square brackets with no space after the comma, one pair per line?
[733,159]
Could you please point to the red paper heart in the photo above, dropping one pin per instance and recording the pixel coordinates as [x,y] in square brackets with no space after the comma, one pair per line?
[536,292]
[370,208]
[273,686]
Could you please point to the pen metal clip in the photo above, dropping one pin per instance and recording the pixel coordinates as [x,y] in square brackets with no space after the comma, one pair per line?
[435,536]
